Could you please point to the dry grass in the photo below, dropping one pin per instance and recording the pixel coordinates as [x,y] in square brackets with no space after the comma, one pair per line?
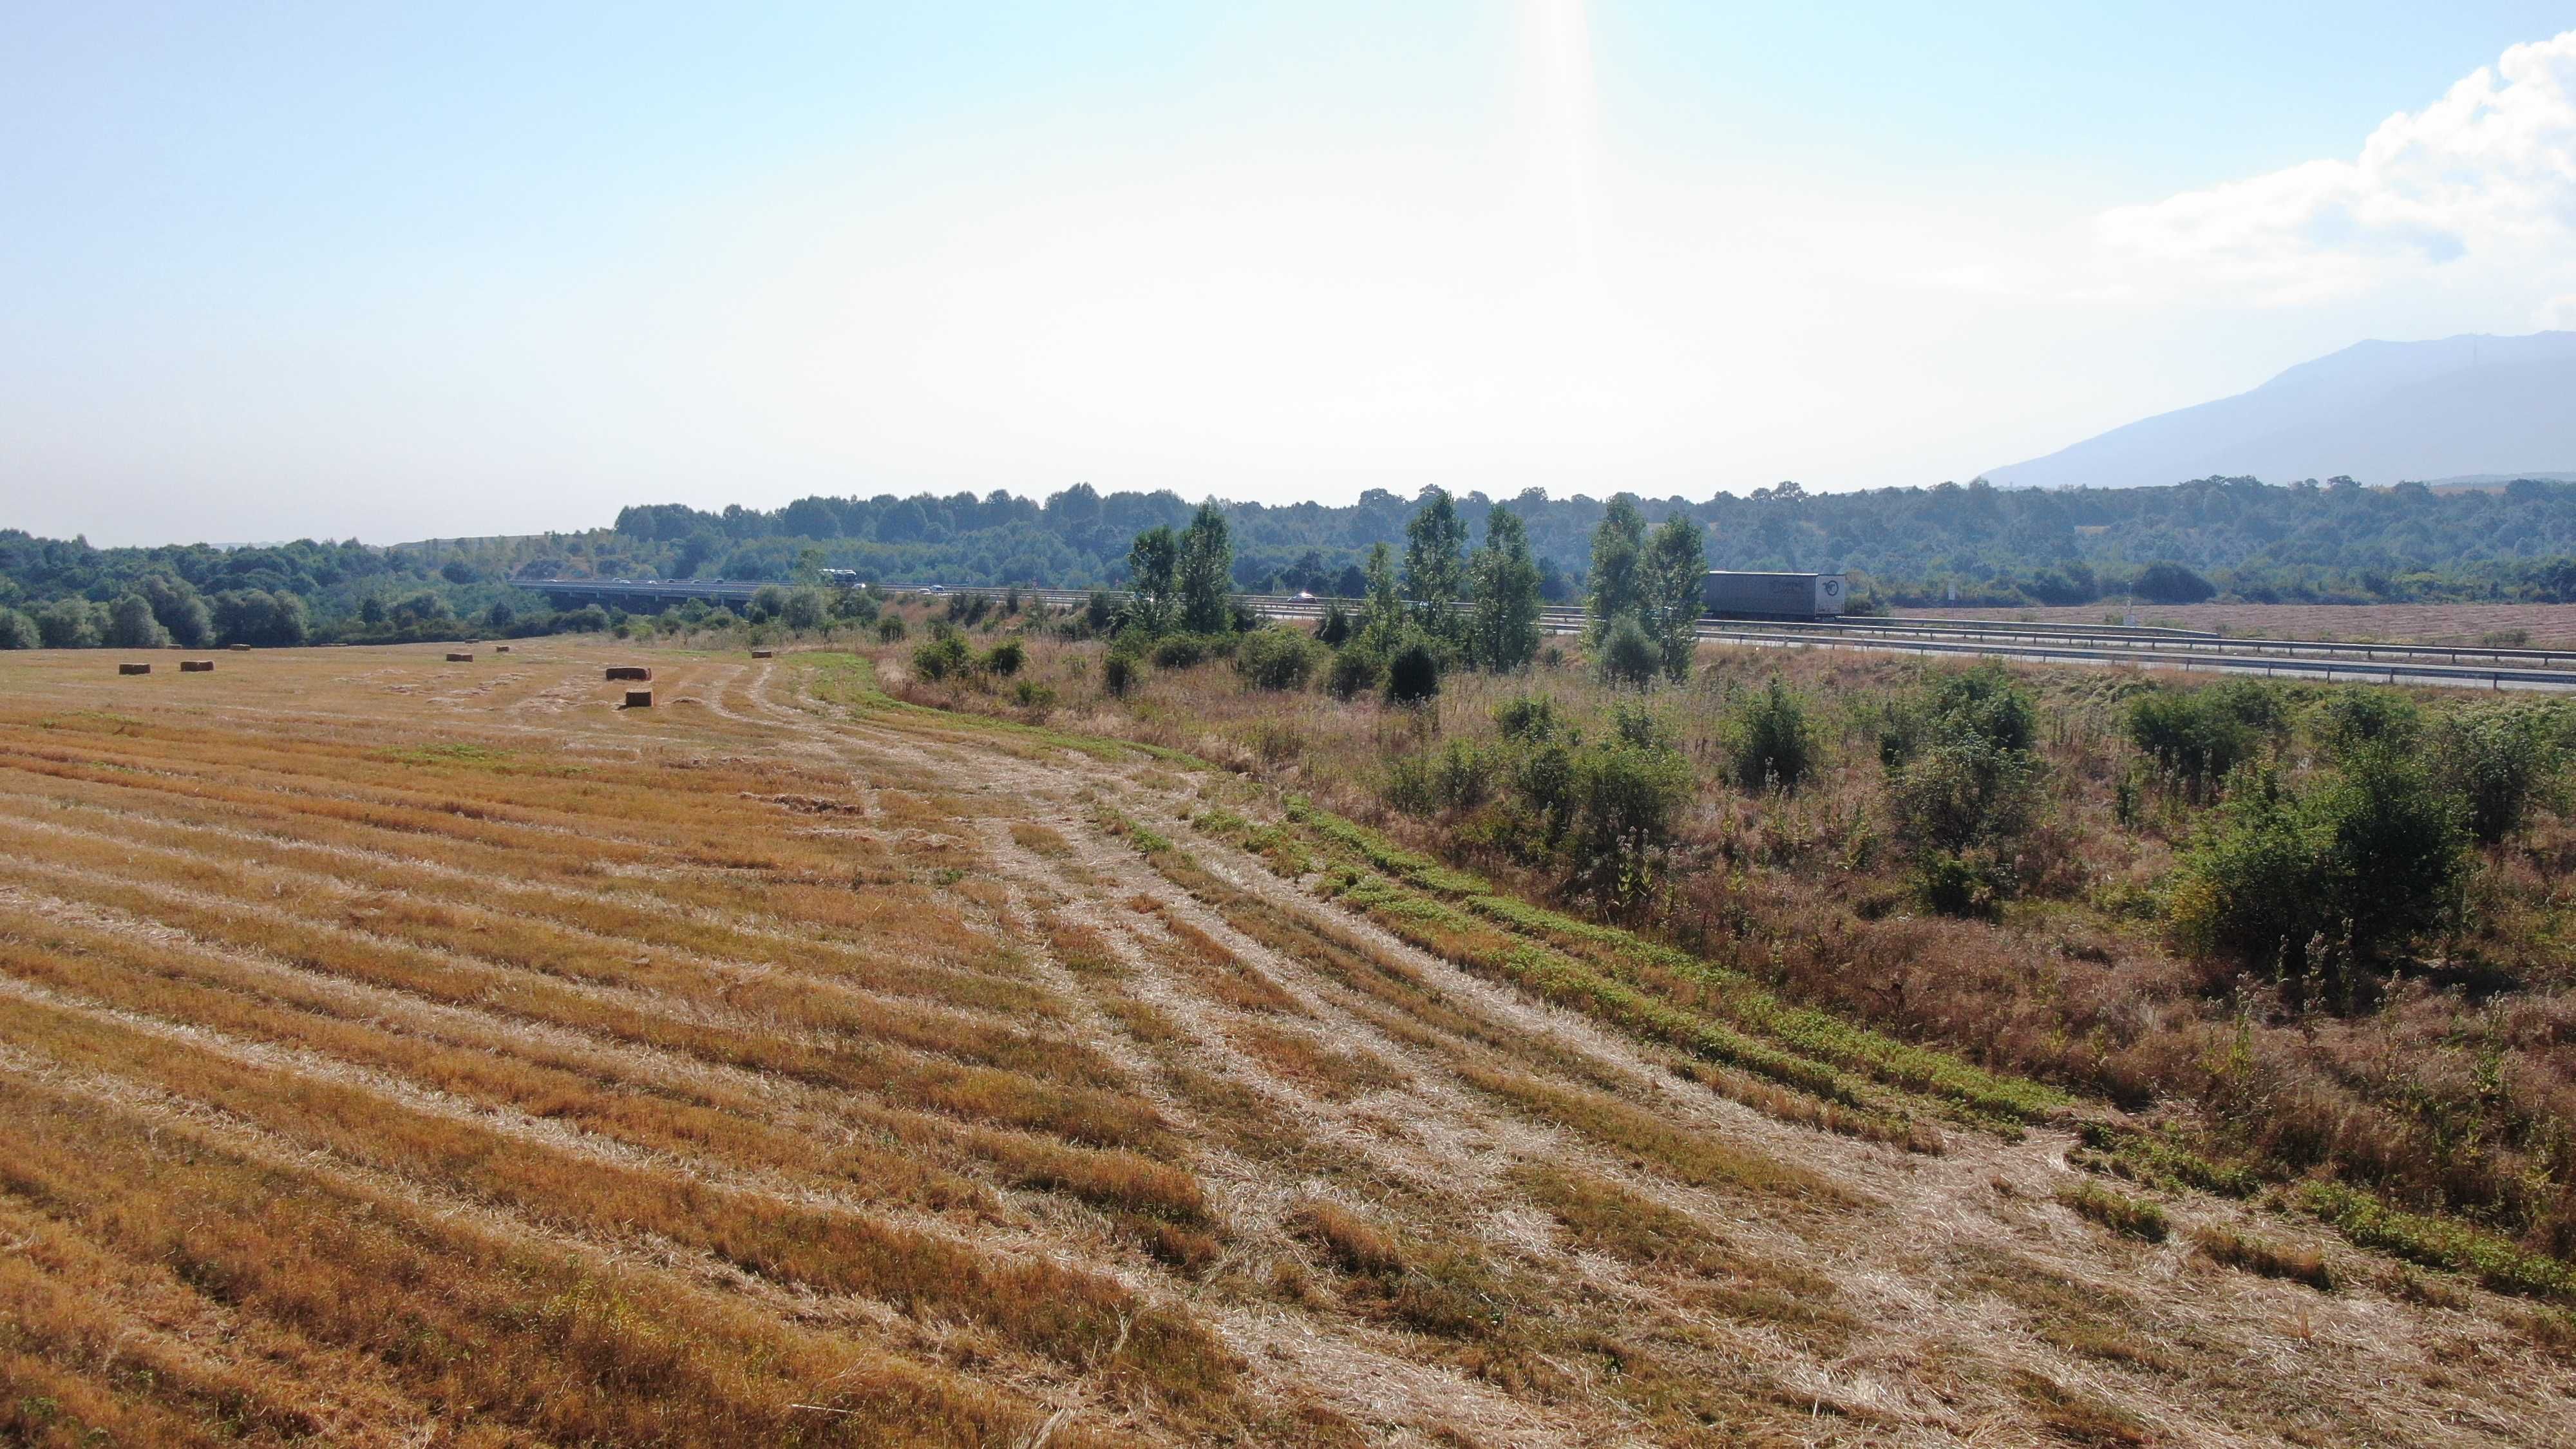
[391,1053]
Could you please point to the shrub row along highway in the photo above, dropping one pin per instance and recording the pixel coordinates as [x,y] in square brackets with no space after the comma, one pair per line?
[2458,666]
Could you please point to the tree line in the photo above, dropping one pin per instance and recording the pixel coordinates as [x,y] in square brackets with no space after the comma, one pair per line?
[1969,544]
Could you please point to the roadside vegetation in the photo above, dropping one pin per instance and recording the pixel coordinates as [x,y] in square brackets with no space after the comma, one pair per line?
[2310,932]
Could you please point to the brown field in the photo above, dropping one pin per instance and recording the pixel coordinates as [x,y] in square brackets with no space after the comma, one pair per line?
[397,1051]
[2548,625]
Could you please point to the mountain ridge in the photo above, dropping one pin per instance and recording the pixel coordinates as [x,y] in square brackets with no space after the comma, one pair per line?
[2378,411]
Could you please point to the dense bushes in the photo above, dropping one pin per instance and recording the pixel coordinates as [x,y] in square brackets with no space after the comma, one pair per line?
[1412,674]
[2197,737]
[1600,813]
[944,657]
[2356,865]
[1963,786]
[1770,744]
[1275,659]
[2496,761]
[1628,655]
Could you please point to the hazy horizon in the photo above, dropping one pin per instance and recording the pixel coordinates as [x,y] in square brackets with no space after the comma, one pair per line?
[473,272]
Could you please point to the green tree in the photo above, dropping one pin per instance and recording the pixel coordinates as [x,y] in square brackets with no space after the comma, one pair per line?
[1153,571]
[1382,616]
[1206,572]
[1435,566]
[805,608]
[1673,593]
[17,631]
[130,624]
[69,624]
[177,605]
[1618,565]
[1502,622]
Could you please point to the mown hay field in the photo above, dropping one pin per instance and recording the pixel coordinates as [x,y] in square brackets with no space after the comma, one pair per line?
[403,1051]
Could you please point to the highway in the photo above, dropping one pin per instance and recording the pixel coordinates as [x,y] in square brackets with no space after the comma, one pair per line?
[2107,645]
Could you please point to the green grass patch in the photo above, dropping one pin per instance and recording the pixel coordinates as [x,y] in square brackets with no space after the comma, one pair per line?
[2436,1242]
[2124,1215]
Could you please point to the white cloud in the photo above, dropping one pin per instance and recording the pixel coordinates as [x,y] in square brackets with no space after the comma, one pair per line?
[2482,181]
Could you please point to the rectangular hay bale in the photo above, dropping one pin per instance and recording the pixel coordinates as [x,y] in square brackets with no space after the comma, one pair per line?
[500,648]
[764,654]
[639,699]
[134,669]
[629,671]
[460,658]
[196,666]
[238,648]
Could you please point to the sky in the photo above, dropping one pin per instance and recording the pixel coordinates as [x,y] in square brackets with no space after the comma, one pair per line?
[286,270]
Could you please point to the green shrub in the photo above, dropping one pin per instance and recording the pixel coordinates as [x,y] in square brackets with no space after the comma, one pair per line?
[1413,674]
[1459,777]
[2364,863]
[1005,658]
[2496,761]
[1356,671]
[890,629]
[2120,1214]
[2357,715]
[1120,673]
[1530,717]
[1982,703]
[1770,743]
[1030,694]
[942,658]
[1180,651]
[1275,659]
[1629,657]
[1335,629]
[2199,736]
[1963,805]
[805,609]
[1625,801]
[17,631]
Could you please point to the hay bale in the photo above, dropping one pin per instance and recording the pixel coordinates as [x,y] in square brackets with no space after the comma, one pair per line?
[134,669]
[629,671]
[764,654]
[639,699]
[238,648]
[500,648]
[460,658]
[196,666]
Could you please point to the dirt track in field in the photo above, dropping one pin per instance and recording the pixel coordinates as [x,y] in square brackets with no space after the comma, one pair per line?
[899,1087]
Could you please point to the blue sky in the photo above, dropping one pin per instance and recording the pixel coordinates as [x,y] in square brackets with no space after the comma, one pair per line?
[333,270]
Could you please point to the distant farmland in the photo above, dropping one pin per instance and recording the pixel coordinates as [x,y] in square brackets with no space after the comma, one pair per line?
[397,1051]
[2553,625]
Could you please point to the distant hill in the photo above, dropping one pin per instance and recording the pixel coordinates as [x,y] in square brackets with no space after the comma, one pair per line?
[2377,412]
